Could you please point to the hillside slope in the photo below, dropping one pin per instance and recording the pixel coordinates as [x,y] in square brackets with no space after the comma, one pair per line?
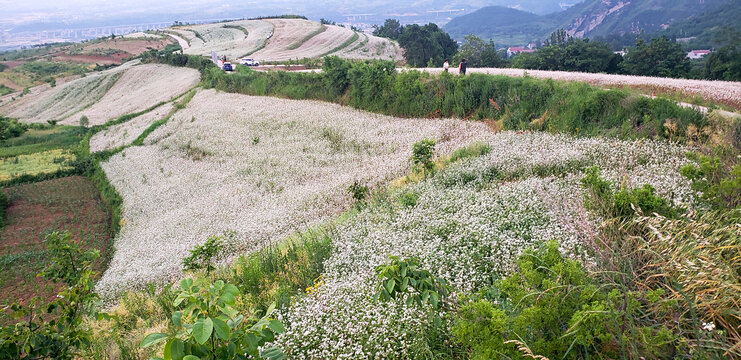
[588,19]
[283,39]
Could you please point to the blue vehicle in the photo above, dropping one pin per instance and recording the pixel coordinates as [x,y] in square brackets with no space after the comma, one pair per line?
[228,67]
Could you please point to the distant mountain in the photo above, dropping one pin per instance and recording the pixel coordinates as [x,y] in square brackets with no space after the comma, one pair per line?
[503,25]
[587,19]
[702,31]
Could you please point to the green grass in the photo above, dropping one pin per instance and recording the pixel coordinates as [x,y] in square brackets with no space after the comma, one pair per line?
[44,162]
[34,141]
[4,90]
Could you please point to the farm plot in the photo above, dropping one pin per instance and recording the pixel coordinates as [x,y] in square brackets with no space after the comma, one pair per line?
[230,39]
[333,39]
[288,34]
[465,224]
[72,204]
[726,92]
[139,88]
[47,103]
[258,166]
[124,134]
[373,48]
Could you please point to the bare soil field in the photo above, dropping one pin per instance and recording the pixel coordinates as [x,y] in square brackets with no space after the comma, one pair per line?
[71,203]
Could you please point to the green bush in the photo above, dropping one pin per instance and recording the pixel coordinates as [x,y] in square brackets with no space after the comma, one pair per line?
[3,207]
[403,279]
[201,256]
[209,328]
[422,155]
[54,330]
[620,203]
[11,128]
[720,186]
[552,307]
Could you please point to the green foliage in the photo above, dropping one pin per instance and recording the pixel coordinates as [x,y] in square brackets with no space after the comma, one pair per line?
[70,262]
[479,326]
[424,43]
[551,307]
[474,150]
[391,29]
[54,330]
[207,326]
[719,185]
[5,90]
[660,57]
[478,53]
[11,128]
[358,191]
[520,102]
[570,54]
[404,279]
[202,256]
[42,69]
[84,121]
[724,64]
[620,203]
[3,208]
[423,152]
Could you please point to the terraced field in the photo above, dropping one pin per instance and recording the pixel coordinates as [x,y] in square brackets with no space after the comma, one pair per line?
[102,96]
[283,39]
[262,167]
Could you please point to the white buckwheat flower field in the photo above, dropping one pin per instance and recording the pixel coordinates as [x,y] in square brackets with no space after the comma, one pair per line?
[264,168]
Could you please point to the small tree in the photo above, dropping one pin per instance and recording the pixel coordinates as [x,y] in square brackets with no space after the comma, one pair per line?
[422,153]
[201,256]
[84,121]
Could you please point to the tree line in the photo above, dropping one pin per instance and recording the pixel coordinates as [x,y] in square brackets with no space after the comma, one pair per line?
[430,46]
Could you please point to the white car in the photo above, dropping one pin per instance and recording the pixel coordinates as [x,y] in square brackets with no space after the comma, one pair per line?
[249,62]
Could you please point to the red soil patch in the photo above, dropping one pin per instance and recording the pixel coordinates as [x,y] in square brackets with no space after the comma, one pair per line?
[131,46]
[68,204]
[93,59]
[12,64]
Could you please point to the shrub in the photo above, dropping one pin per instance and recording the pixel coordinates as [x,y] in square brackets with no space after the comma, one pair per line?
[719,186]
[84,121]
[422,154]
[54,330]
[403,279]
[620,204]
[3,207]
[358,192]
[208,326]
[201,256]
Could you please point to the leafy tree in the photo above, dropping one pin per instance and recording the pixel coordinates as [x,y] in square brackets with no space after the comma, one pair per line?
[479,53]
[422,153]
[660,57]
[422,43]
[391,29]
[565,53]
[724,64]
[84,121]
[208,327]
[55,330]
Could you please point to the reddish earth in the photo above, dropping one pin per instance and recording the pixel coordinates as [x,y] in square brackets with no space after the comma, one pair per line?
[94,59]
[12,64]
[67,204]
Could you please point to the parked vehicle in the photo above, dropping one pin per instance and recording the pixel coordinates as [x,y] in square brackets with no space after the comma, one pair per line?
[249,62]
[228,67]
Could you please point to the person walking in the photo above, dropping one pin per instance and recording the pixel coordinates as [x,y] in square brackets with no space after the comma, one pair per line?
[446,65]
[462,67]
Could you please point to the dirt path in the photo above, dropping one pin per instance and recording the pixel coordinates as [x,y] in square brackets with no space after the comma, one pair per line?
[181,41]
